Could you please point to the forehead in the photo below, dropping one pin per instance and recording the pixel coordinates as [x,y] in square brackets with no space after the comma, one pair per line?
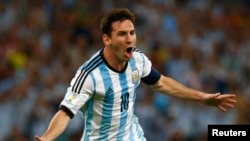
[125,25]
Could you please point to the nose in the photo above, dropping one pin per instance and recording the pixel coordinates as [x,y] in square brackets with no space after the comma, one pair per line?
[129,39]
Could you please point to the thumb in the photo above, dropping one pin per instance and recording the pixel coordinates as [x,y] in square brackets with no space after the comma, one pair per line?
[212,95]
[211,99]
[216,94]
[38,138]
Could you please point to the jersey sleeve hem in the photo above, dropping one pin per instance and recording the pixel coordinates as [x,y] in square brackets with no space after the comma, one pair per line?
[152,77]
[65,109]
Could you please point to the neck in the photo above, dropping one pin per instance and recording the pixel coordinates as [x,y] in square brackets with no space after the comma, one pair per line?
[112,60]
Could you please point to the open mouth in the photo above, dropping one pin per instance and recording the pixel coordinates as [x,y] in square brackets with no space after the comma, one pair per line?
[130,49]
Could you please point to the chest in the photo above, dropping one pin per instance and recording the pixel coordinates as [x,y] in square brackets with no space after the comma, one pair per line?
[111,85]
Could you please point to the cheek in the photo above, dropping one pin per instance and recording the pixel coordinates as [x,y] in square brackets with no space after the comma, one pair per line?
[116,49]
[135,40]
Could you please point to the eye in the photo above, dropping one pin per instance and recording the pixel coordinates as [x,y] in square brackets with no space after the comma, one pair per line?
[132,32]
[122,33]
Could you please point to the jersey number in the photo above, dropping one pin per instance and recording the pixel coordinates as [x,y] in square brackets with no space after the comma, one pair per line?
[124,103]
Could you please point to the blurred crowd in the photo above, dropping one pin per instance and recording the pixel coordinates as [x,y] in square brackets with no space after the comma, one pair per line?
[204,44]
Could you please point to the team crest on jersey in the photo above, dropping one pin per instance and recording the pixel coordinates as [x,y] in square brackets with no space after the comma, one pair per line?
[135,76]
[72,99]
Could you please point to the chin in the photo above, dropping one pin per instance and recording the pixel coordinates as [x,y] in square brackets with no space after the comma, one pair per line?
[127,59]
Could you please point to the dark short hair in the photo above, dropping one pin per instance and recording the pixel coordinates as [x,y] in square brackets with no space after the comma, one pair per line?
[119,14]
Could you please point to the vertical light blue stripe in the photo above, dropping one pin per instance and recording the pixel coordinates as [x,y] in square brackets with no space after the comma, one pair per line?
[142,56]
[131,133]
[132,64]
[107,105]
[133,67]
[139,132]
[124,114]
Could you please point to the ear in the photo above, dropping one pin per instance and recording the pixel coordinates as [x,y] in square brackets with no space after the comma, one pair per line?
[106,39]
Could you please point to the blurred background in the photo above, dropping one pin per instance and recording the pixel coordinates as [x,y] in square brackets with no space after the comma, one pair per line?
[203,44]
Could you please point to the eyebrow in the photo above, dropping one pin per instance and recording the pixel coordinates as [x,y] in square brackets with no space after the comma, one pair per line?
[122,31]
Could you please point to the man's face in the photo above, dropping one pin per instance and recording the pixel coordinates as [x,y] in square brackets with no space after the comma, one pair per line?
[123,40]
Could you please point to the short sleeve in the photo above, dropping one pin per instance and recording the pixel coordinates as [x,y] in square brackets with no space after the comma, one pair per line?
[73,101]
[149,74]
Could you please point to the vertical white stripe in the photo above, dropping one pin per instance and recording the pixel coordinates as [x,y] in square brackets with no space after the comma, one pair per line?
[116,114]
[98,104]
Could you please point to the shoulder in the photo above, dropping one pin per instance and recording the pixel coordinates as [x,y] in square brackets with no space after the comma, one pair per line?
[82,77]
[92,63]
[138,55]
[88,67]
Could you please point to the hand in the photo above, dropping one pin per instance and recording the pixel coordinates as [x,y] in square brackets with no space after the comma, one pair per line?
[222,101]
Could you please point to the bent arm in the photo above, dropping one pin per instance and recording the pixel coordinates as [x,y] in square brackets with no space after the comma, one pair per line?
[171,87]
[56,126]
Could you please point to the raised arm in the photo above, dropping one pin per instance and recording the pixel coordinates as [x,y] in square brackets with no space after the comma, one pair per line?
[170,87]
[56,127]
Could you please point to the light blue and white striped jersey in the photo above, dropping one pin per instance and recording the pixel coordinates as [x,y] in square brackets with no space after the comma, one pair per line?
[106,98]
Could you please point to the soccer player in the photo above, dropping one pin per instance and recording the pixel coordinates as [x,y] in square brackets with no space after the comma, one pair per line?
[104,88]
